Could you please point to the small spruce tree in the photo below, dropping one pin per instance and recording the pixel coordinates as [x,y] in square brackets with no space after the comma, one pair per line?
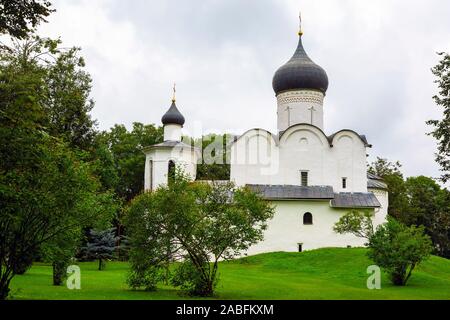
[100,246]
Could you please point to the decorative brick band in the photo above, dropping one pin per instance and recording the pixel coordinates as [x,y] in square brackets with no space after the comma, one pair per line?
[300,96]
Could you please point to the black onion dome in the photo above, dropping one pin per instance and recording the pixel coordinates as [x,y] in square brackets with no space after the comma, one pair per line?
[173,116]
[300,72]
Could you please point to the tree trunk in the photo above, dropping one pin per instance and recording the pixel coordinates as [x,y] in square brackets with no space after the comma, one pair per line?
[398,279]
[4,288]
[59,272]
[23,265]
[118,242]
[206,289]
[209,289]
[411,268]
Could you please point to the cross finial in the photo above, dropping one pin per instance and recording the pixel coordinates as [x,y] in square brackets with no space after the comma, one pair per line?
[174,92]
[300,31]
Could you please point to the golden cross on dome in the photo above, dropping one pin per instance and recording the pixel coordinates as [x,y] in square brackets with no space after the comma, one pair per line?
[300,31]
[174,92]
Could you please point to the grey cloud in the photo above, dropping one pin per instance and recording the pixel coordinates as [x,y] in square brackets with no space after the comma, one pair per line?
[223,54]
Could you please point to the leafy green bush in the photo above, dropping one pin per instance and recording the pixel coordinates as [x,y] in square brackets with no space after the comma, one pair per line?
[398,249]
[146,277]
[395,247]
[204,222]
[187,277]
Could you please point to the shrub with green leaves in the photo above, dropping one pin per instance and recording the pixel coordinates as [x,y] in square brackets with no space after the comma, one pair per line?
[398,249]
[358,223]
[195,223]
[395,247]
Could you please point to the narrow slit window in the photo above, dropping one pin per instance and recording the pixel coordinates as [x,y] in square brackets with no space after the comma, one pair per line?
[344,183]
[304,178]
[151,175]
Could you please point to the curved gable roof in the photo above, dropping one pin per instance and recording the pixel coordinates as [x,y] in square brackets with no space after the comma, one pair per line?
[274,137]
[308,125]
[328,138]
[362,137]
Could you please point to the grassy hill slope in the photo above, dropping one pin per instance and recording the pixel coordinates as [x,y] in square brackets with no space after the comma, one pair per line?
[320,274]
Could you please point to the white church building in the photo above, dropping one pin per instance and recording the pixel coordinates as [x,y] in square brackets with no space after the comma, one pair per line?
[312,178]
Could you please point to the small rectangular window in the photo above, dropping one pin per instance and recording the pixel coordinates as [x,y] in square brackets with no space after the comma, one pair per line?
[344,183]
[300,247]
[304,178]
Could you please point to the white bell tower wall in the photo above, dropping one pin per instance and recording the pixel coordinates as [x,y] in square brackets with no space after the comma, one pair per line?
[300,106]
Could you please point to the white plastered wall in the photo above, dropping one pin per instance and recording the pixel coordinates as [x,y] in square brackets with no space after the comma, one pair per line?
[383,198]
[300,106]
[286,229]
[157,164]
[301,148]
[172,132]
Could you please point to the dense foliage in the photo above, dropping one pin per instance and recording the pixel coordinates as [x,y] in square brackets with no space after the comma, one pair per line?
[393,177]
[398,249]
[395,247]
[128,158]
[417,201]
[358,223]
[215,164]
[18,17]
[49,189]
[194,223]
[442,127]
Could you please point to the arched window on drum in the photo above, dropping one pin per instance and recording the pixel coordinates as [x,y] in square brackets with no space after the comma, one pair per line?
[171,171]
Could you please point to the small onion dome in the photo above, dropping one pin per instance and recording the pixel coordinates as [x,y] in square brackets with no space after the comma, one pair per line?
[300,72]
[173,116]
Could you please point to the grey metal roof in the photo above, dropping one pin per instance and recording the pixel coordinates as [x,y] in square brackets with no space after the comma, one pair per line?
[173,115]
[300,72]
[286,192]
[330,137]
[373,176]
[375,182]
[361,136]
[171,144]
[355,200]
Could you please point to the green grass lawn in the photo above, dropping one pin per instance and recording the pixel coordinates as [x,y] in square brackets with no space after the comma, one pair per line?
[319,274]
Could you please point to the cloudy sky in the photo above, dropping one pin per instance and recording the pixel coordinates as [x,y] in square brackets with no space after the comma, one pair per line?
[223,53]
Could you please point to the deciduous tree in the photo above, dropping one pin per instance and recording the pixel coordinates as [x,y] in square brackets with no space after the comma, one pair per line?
[358,223]
[442,126]
[393,177]
[398,249]
[195,223]
[46,187]
[127,153]
[395,247]
[19,17]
